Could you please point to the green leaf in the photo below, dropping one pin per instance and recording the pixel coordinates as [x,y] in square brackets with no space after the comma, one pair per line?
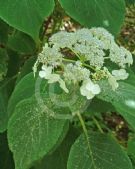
[34,130]
[27,68]
[3,106]
[58,159]
[96,104]
[23,90]
[6,88]
[3,63]
[131,148]
[6,159]
[103,152]
[97,13]
[123,99]
[131,78]
[3,32]
[21,43]
[13,63]
[130,1]
[25,15]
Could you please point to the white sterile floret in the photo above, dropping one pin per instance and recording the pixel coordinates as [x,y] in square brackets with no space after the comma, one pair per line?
[75,72]
[113,82]
[120,74]
[47,74]
[35,67]
[51,56]
[89,89]
[54,78]
[63,85]
[111,79]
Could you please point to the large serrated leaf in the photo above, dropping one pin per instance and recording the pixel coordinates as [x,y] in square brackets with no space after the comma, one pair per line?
[95,13]
[21,43]
[58,159]
[26,15]
[105,153]
[23,90]
[27,68]
[34,130]
[123,99]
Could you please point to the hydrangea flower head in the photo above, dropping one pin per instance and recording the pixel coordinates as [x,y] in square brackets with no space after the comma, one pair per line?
[81,57]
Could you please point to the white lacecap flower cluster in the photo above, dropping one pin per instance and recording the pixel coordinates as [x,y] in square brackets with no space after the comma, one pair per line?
[80,57]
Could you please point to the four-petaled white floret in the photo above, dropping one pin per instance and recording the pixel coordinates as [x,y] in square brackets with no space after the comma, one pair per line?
[89,89]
